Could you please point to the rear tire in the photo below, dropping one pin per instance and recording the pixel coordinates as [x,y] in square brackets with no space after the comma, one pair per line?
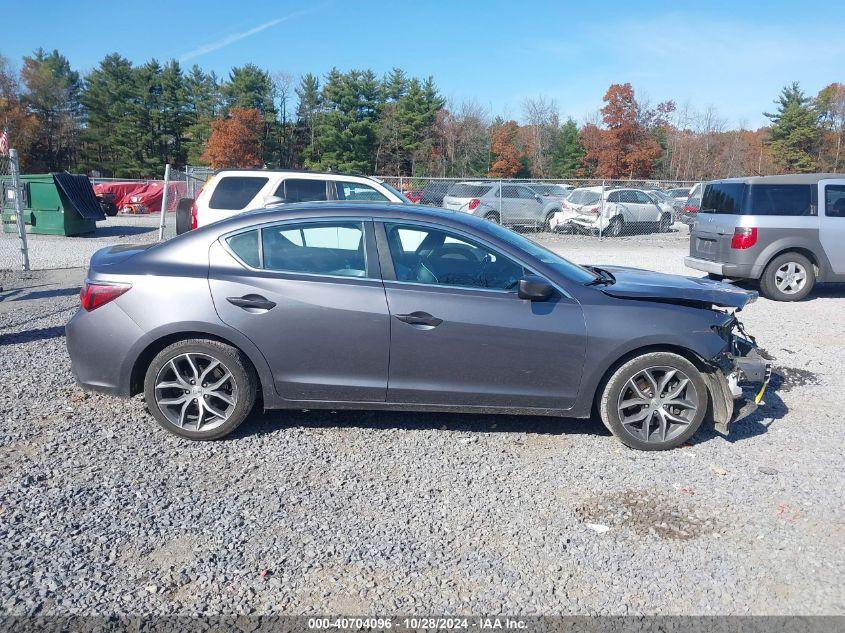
[665,223]
[493,217]
[614,229]
[672,412]
[183,215]
[788,277]
[547,225]
[182,391]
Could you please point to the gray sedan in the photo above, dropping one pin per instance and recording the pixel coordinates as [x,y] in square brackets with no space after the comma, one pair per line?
[350,305]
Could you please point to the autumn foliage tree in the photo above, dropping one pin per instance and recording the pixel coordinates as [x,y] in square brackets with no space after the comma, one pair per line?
[507,157]
[236,140]
[625,146]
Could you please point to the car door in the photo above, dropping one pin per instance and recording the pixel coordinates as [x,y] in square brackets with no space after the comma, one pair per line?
[459,333]
[832,222]
[309,295]
[532,204]
[647,208]
[512,206]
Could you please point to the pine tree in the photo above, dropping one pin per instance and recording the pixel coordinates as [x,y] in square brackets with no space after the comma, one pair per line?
[310,103]
[203,103]
[567,151]
[795,131]
[107,99]
[53,96]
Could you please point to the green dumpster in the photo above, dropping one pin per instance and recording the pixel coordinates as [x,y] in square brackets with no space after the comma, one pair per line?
[54,204]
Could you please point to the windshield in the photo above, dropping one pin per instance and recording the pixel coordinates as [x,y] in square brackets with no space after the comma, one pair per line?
[584,196]
[394,191]
[565,267]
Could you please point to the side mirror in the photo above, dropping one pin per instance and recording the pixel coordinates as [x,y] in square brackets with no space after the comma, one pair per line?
[534,288]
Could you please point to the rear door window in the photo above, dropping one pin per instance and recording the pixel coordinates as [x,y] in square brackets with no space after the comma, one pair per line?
[781,200]
[234,193]
[302,190]
[326,248]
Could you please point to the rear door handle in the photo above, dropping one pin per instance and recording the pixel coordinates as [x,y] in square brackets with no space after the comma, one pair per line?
[252,301]
[419,318]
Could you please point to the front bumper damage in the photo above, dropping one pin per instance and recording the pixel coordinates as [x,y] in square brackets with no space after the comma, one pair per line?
[739,365]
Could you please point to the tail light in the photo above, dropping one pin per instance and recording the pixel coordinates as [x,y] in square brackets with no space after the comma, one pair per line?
[690,209]
[744,238]
[94,295]
[564,205]
[194,215]
[594,210]
[473,204]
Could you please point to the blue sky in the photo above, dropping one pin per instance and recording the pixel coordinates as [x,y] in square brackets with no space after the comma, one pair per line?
[733,55]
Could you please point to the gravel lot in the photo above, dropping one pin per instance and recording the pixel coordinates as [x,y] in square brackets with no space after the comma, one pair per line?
[103,512]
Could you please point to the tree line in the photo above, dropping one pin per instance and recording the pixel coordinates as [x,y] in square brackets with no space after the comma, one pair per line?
[128,121]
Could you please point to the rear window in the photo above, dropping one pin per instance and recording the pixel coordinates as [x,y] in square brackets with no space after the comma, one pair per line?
[582,196]
[245,246]
[724,198]
[731,198]
[233,193]
[463,190]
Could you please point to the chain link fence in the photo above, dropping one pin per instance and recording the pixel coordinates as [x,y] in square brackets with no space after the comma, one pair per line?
[589,207]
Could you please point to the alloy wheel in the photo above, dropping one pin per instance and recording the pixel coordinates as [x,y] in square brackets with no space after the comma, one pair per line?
[791,278]
[196,392]
[657,404]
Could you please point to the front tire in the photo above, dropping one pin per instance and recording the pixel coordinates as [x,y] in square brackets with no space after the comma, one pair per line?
[614,228]
[665,223]
[200,389]
[493,217]
[788,277]
[654,402]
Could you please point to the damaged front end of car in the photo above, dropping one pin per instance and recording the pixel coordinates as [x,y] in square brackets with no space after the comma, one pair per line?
[738,376]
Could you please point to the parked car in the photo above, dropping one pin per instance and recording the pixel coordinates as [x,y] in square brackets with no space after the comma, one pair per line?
[612,211]
[681,194]
[666,202]
[503,203]
[786,231]
[690,210]
[233,191]
[369,306]
[434,192]
[551,190]
[413,195]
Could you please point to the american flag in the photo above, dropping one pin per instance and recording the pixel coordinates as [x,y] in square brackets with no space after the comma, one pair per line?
[4,142]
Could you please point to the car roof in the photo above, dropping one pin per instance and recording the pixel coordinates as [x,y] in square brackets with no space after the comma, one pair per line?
[297,172]
[783,179]
[307,210]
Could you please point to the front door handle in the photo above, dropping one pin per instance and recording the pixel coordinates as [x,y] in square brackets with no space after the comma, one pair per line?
[251,301]
[419,318]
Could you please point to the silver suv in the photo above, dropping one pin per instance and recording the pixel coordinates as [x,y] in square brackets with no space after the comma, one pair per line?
[503,203]
[786,231]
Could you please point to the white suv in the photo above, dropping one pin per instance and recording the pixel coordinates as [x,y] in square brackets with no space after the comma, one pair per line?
[234,191]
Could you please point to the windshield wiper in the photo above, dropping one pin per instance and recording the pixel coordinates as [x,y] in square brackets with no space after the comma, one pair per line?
[604,277]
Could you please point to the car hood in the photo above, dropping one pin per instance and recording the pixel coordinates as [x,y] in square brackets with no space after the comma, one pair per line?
[635,283]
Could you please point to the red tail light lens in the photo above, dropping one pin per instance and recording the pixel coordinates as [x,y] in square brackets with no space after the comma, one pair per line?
[594,210]
[92,295]
[744,238]
[194,215]
[690,209]
[473,204]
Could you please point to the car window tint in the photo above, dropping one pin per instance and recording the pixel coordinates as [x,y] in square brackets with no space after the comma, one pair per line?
[781,200]
[613,196]
[245,246]
[302,190]
[642,197]
[358,191]
[431,256]
[325,248]
[526,193]
[723,198]
[834,201]
[234,193]
[509,191]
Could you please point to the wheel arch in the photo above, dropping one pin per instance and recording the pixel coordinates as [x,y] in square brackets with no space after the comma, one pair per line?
[680,350]
[148,352]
